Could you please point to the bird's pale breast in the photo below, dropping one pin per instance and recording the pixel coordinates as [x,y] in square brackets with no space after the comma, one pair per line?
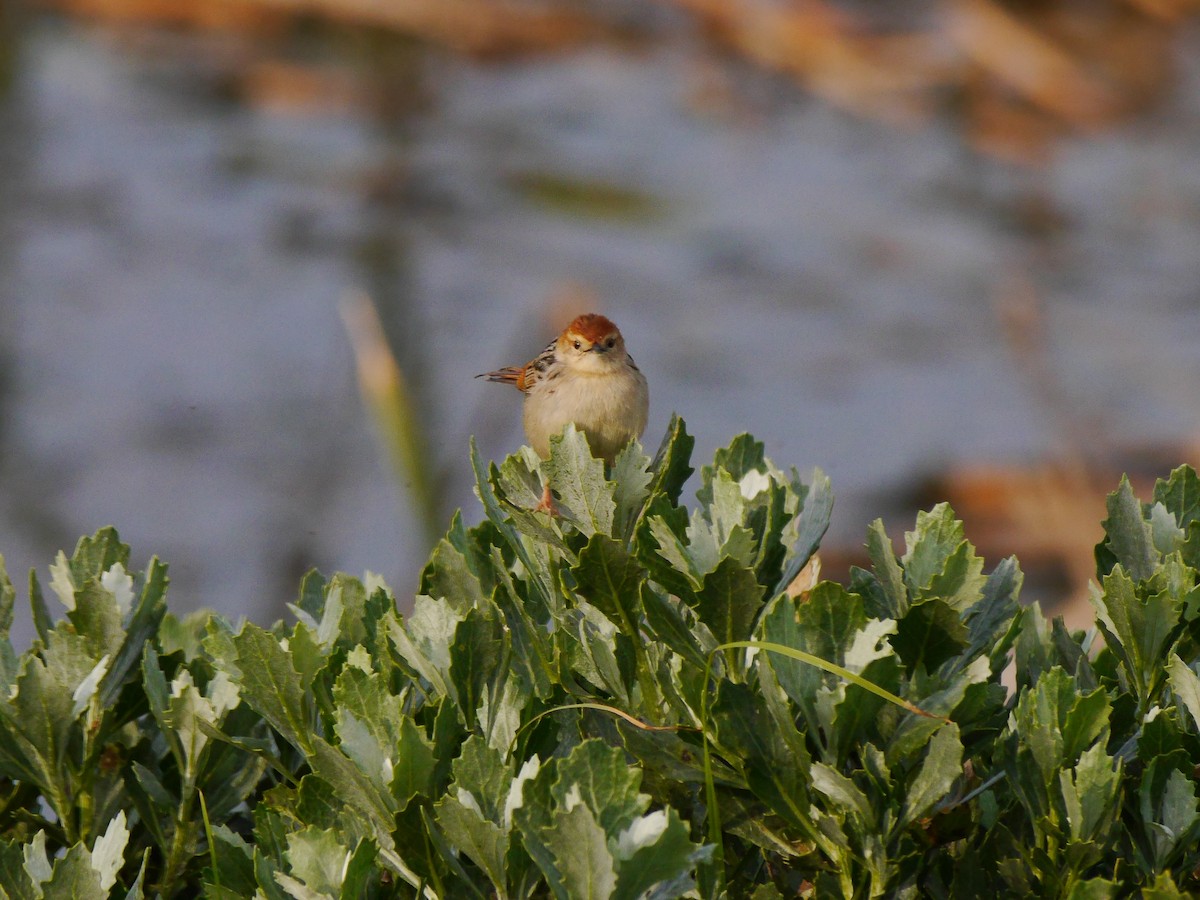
[610,409]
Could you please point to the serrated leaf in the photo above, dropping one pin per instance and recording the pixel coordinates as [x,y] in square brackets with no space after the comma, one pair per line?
[475,658]
[993,616]
[610,579]
[929,634]
[8,597]
[598,776]
[1129,537]
[941,767]
[887,570]
[1163,888]
[413,769]
[670,469]
[15,882]
[938,535]
[1093,889]
[1170,811]
[448,576]
[843,793]
[144,625]
[774,772]
[318,857]
[631,487]
[1085,721]
[729,601]
[1136,629]
[1180,494]
[826,625]
[75,877]
[469,831]
[960,583]
[652,850]
[581,855]
[665,620]
[1090,792]
[672,548]
[270,684]
[814,515]
[1186,685]
[1165,534]
[743,455]
[500,519]
[108,852]
[578,479]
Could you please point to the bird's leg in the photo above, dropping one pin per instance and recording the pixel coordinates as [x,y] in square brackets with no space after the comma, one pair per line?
[547,503]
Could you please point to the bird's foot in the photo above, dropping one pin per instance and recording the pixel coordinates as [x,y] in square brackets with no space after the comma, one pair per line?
[546,504]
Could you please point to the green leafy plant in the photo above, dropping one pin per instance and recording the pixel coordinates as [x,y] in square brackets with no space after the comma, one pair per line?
[624,701]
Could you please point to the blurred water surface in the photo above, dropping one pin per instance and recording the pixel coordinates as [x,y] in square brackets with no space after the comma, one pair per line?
[172,255]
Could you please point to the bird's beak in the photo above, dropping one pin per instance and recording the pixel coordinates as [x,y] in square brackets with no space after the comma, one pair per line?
[598,348]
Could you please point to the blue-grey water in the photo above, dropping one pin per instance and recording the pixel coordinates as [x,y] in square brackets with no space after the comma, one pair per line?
[172,257]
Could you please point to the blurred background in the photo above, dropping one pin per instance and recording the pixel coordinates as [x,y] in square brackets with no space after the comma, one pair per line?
[942,250]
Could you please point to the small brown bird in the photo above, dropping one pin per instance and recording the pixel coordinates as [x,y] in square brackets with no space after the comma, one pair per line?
[585,376]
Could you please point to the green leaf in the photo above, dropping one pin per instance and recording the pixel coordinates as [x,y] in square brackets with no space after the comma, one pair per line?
[598,776]
[729,601]
[423,641]
[814,515]
[448,576]
[1092,889]
[960,583]
[581,855]
[1186,685]
[631,487]
[481,771]
[671,469]
[318,858]
[8,597]
[1090,791]
[610,579]
[144,625]
[1163,888]
[270,684]
[680,574]
[1180,494]
[75,877]
[939,771]
[990,622]
[888,572]
[843,793]
[930,634]
[1129,536]
[665,619]
[15,882]
[743,455]
[578,479]
[773,770]
[827,625]
[501,521]
[1171,813]
[1137,628]
[938,535]
[469,831]
[476,656]
[654,850]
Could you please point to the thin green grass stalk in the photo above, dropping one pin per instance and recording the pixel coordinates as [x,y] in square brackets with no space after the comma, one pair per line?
[208,835]
[390,400]
[710,790]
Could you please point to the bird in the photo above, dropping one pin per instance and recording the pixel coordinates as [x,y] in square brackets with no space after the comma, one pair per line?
[584,376]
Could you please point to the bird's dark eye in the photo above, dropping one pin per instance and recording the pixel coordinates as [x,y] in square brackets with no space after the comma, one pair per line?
[578,345]
[611,342]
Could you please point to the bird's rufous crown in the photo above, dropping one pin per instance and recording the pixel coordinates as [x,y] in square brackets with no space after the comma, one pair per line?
[592,327]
